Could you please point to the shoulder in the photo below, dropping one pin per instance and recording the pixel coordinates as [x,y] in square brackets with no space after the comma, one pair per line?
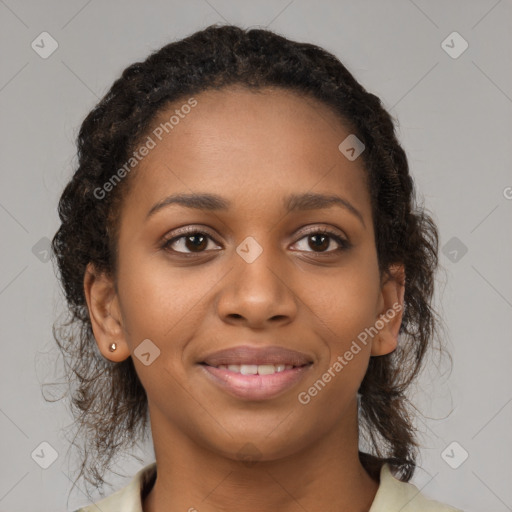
[127,499]
[395,495]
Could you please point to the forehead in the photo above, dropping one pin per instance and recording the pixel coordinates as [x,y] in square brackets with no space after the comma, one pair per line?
[241,143]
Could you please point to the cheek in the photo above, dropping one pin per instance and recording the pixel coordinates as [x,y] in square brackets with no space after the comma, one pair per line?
[348,302]
[160,306]
[164,304]
[345,312]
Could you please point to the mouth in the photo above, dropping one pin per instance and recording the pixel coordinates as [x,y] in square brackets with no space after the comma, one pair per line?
[256,369]
[246,357]
[255,373]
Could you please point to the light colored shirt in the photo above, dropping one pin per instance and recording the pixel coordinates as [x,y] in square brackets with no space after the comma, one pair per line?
[392,495]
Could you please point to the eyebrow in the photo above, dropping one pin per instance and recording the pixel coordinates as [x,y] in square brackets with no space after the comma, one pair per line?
[292,202]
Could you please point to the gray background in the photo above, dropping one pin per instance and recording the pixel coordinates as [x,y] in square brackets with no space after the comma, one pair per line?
[454,121]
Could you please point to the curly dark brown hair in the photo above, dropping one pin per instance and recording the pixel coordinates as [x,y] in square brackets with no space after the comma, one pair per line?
[108,400]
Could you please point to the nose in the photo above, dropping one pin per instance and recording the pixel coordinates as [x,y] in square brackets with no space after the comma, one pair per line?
[258,293]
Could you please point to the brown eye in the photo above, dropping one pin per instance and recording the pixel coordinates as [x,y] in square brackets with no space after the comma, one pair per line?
[192,242]
[319,241]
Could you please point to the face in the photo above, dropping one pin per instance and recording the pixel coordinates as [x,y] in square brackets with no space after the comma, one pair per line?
[259,265]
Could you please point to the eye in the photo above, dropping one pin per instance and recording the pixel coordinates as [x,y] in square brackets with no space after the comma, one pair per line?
[321,239]
[193,240]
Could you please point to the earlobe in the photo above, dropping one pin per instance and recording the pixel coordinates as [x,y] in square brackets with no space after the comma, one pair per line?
[105,315]
[390,315]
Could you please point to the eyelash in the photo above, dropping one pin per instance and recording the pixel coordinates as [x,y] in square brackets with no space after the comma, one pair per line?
[344,244]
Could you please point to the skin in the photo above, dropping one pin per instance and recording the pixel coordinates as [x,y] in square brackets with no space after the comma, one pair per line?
[252,148]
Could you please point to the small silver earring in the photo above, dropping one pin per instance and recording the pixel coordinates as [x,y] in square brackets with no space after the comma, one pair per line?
[112,347]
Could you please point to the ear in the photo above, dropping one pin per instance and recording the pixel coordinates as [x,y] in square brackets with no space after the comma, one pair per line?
[391,307]
[105,314]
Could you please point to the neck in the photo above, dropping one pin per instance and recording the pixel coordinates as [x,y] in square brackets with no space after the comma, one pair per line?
[324,476]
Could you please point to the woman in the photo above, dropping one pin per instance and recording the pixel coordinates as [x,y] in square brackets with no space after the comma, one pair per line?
[241,248]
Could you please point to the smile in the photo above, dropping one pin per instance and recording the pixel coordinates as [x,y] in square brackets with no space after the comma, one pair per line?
[256,369]
[255,382]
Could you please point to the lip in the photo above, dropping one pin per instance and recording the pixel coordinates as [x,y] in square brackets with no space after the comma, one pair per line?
[255,387]
[245,354]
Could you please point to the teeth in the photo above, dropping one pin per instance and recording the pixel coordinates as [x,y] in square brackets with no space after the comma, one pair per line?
[267,369]
[248,369]
[253,369]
